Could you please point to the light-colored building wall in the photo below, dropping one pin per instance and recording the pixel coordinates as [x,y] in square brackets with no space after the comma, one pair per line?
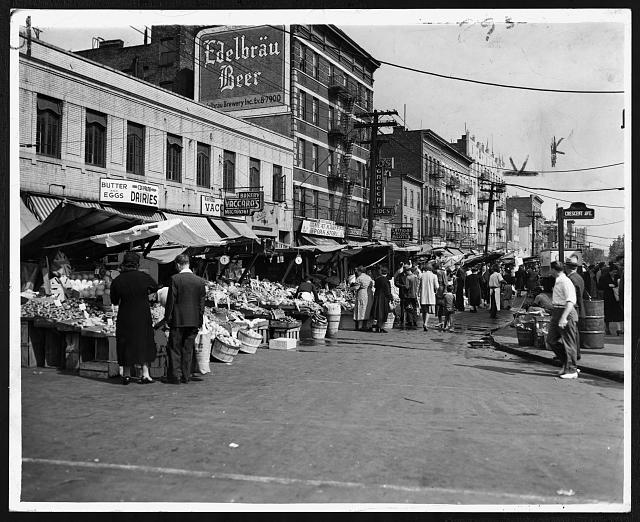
[81,84]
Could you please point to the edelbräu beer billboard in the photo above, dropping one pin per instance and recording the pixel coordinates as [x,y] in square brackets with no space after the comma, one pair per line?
[241,68]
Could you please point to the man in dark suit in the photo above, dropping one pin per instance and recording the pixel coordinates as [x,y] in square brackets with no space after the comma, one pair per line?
[183,313]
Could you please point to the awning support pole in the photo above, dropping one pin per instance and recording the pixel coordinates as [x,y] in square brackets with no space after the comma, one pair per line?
[249,267]
[286,273]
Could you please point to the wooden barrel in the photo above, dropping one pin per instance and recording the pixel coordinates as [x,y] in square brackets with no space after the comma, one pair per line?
[592,325]
[333,324]
[318,330]
[525,337]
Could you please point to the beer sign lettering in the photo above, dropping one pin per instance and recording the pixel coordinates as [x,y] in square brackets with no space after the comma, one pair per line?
[242,68]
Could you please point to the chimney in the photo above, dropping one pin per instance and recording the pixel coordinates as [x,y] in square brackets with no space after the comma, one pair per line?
[146,35]
[116,44]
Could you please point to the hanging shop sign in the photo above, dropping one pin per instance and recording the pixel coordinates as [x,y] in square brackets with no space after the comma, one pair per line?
[322,228]
[379,188]
[127,191]
[211,206]
[384,211]
[402,233]
[244,203]
[241,68]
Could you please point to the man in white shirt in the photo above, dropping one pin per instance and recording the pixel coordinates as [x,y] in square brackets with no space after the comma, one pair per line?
[495,279]
[563,329]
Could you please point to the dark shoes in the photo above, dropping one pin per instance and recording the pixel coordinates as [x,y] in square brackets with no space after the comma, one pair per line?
[125,380]
[145,380]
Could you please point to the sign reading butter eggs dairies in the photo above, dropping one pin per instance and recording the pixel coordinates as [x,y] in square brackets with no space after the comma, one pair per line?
[241,68]
[127,191]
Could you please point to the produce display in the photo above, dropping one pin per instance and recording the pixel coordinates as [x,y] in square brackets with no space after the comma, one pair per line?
[72,311]
[229,340]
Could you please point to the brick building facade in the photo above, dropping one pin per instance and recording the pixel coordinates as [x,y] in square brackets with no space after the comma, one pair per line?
[529,211]
[81,121]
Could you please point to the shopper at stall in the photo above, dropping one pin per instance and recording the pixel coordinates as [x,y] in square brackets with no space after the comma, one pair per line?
[427,294]
[135,342]
[307,290]
[449,308]
[485,273]
[589,276]
[400,281]
[363,286]
[563,324]
[461,275]
[521,277]
[442,286]
[532,278]
[184,313]
[413,289]
[474,293]
[507,289]
[381,300]
[495,282]
[543,299]
[608,285]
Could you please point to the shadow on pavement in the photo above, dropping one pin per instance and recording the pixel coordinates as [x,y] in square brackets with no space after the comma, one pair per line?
[506,371]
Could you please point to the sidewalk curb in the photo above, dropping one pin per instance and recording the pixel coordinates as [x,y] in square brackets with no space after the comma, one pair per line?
[606,374]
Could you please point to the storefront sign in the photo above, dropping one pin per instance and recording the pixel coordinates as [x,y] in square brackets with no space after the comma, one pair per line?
[401,233]
[211,206]
[322,228]
[379,188]
[244,204]
[242,68]
[127,191]
[384,211]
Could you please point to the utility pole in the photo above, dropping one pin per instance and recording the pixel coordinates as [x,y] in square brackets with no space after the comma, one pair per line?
[374,126]
[560,220]
[489,212]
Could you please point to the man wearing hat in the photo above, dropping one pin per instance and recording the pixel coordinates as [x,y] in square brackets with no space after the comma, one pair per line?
[571,269]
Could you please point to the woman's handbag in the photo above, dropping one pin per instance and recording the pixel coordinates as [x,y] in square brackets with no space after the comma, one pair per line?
[616,293]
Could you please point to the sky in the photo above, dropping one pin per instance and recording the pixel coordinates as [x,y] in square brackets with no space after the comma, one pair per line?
[567,50]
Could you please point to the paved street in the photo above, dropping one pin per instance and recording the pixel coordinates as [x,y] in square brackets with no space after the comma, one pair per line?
[403,417]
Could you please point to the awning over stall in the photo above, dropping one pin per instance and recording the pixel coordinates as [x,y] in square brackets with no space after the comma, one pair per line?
[215,230]
[28,221]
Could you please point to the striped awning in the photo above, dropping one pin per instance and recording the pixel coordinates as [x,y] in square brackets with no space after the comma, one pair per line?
[28,220]
[233,229]
[145,214]
[41,206]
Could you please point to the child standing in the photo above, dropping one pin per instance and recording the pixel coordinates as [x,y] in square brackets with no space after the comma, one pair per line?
[449,308]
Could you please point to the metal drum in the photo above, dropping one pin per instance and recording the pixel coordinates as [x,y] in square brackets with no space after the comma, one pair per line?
[592,325]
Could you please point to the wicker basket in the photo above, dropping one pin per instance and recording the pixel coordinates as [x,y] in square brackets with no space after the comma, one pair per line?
[223,352]
[250,341]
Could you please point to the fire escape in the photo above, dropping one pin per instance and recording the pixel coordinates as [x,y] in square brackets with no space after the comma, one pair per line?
[341,176]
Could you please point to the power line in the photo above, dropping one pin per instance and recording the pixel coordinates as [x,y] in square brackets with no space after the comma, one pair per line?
[457,78]
[604,224]
[569,201]
[566,190]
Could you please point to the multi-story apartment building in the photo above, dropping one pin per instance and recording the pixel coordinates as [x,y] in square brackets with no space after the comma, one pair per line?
[513,226]
[92,133]
[531,222]
[431,187]
[307,82]
[487,169]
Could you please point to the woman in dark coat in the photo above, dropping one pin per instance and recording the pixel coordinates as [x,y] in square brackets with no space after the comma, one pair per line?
[460,279]
[381,298]
[135,342]
[612,311]
[521,277]
[472,286]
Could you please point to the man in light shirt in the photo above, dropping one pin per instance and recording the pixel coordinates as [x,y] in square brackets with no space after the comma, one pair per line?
[495,279]
[562,336]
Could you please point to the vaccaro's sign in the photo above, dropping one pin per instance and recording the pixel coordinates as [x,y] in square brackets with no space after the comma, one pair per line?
[242,68]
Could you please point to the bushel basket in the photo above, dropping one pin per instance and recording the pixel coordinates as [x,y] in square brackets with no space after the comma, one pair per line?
[250,341]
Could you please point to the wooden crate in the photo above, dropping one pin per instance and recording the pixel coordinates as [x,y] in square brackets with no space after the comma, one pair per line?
[288,333]
[98,355]
[28,354]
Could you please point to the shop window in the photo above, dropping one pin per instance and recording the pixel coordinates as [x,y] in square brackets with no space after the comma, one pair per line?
[135,149]
[279,185]
[229,172]
[314,158]
[254,174]
[315,111]
[174,158]
[49,126]
[203,167]
[95,139]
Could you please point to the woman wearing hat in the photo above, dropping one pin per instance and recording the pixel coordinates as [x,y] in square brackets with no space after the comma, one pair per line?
[135,343]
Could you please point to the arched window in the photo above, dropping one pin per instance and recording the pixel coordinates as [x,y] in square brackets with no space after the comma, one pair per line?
[174,158]
[229,172]
[95,142]
[135,149]
[203,166]
[49,126]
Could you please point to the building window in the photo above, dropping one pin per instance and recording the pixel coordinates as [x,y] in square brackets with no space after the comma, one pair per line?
[332,206]
[405,196]
[49,126]
[174,158]
[315,111]
[279,186]
[135,149]
[254,174]
[299,202]
[203,166]
[412,202]
[315,204]
[332,116]
[303,105]
[229,171]
[302,61]
[316,66]
[300,153]
[314,158]
[95,139]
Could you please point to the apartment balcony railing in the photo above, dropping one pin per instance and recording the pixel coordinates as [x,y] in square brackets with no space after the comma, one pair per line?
[500,207]
[466,189]
[452,182]
[452,236]
[466,214]
[436,175]
[341,86]
[449,209]
[436,204]
[499,228]
[482,221]
[338,127]
[340,174]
